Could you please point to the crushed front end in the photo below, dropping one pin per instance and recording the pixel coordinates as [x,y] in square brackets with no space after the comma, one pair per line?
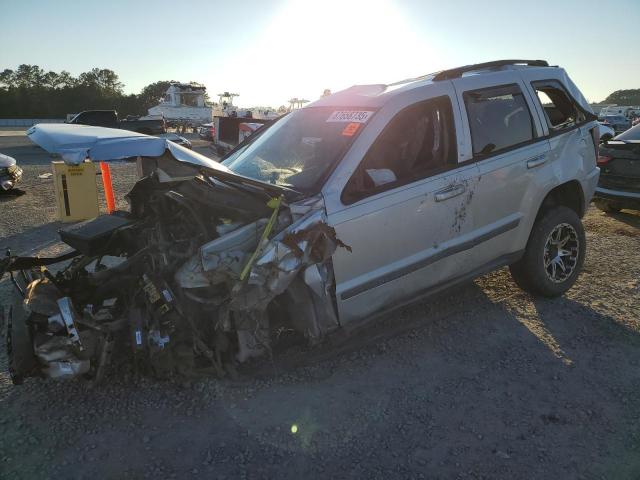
[200,275]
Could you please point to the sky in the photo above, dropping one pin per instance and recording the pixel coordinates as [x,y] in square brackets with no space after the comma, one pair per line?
[269,51]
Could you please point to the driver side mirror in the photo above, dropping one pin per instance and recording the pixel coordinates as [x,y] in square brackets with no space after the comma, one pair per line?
[365,182]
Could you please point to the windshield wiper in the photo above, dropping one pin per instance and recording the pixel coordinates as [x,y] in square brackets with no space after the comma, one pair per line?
[250,185]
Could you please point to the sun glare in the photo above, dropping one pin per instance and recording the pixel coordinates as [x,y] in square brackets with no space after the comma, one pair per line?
[334,44]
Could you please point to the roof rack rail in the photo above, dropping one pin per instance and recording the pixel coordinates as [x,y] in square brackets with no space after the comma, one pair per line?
[457,72]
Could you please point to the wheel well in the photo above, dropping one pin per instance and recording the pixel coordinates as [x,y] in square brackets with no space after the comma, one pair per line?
[568,194]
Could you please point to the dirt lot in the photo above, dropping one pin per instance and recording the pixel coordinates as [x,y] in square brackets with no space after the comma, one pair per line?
[482,381]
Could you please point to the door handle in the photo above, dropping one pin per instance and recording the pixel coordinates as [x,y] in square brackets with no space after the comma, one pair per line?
[536,161]
[450,192]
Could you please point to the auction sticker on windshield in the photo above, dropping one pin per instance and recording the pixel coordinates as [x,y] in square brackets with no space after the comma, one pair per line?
[348,116]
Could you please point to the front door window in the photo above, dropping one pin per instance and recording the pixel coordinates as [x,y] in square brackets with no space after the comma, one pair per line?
[417,143]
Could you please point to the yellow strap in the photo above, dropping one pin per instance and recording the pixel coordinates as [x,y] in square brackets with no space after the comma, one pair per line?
[274,203]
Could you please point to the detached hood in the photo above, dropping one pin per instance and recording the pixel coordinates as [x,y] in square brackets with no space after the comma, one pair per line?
[75,143]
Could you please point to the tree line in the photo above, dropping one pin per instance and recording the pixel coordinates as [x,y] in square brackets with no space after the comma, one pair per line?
[31,92]
[624,97]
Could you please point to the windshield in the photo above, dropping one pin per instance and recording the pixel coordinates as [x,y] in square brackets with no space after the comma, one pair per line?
[299,150]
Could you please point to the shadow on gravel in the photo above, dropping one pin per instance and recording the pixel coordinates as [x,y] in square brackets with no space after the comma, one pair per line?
[604,369]
[631,219]
[475,379]
[582,321]
[33,239]
[10,194]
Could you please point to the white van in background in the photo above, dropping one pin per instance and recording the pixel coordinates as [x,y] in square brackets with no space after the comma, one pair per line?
[625,110]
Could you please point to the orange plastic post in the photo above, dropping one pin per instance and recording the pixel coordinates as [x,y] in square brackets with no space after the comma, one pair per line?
[108,187]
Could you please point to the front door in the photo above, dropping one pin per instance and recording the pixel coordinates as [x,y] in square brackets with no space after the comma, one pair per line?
[403,212]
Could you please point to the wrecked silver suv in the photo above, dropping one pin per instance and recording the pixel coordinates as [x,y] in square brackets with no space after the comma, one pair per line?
[367,199]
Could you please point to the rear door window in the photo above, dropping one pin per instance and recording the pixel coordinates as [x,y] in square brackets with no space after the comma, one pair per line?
[499,119]
[560,110]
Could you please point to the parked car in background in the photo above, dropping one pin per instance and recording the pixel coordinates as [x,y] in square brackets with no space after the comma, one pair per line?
[10,172]
[175,138]
[207,131]
[109,118]
[606,132]
[619,123]
[619,162]
[624,110]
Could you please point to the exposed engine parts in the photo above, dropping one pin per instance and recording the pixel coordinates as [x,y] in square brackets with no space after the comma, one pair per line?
[199,277]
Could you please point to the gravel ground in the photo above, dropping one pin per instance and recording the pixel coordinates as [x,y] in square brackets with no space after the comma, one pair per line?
[480,382]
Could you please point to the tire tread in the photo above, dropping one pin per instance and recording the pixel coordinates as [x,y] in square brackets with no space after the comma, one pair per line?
[528,272]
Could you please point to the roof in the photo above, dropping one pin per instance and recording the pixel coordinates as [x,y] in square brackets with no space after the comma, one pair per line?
[376,95]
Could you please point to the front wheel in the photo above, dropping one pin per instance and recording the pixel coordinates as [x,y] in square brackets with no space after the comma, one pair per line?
[554,255]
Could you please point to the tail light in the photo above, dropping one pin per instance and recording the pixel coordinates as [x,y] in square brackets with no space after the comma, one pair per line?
[604,159]
[595,136]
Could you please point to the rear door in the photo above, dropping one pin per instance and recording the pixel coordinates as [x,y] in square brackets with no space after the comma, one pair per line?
[402,209]
[503,129]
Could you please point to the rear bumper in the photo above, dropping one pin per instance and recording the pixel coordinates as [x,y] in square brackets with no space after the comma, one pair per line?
[589,184]
[623,198]
[610,193]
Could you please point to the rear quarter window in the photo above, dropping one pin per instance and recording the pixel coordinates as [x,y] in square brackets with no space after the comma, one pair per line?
[560,109]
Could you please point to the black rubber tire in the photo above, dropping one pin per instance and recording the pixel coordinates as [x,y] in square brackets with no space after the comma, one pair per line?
[606,206]
[22,361]
[529,272]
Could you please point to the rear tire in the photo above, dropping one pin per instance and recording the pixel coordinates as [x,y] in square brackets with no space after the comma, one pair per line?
[606,206]
[554,255]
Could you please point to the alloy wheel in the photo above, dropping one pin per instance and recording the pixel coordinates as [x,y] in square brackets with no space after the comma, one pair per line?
[561,252]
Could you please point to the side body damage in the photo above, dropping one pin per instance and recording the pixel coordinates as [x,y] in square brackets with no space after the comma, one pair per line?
[199,276]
